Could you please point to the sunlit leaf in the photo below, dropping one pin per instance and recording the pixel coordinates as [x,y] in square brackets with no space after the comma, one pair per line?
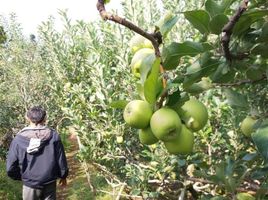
[150,85]
[146,67]
[173,52]
[166,23]
[236,99]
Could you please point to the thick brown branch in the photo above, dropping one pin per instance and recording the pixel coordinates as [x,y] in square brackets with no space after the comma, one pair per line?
[227,30]
[155,38]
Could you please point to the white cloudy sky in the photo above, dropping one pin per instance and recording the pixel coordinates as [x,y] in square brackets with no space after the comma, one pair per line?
[31,13]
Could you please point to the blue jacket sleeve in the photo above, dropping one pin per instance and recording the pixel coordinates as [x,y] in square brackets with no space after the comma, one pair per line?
[12,164]
[61,160]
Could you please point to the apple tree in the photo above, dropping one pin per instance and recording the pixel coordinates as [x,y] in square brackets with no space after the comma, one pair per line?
[222,62]
[200,71]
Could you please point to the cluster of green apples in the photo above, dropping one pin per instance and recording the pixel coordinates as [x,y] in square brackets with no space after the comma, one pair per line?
[173,126]
[143,55]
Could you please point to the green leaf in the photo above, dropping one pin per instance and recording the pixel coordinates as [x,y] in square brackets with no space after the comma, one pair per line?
[3,36]
[260,139]
[223,74]
[260,49]
[199,19]
[106,1]
[146,67]
[264,34]
[150,85]
[172,53]
[140,90]
[259,173]
[218,198]
[121,104]
[135,192]
[247,19]
[225,4]
[262,191]
[174,97]
[207,46]
[201,68]
[199,87]
[236,99]
[249,156]
[214,8]
[166,23]
[217,23]
[220,172]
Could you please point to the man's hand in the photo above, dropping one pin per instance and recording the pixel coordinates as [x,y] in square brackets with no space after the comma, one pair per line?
[63,182]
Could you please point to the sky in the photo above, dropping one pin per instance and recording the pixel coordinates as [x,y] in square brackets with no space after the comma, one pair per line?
[30,13]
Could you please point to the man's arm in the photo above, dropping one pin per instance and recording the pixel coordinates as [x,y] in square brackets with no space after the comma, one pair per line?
[12,164]
[61,160]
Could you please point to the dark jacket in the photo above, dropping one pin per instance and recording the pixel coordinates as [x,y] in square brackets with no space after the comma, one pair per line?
[36,156]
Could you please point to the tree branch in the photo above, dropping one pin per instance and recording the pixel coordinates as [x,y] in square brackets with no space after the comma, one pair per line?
[162,98]
[247,186]
[241,82]
[228,28]
[155,38]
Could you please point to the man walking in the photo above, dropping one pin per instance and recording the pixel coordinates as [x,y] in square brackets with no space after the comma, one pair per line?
[36,156]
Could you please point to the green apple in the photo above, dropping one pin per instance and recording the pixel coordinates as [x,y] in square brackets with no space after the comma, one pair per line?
[247,126]
[244,196]
[165,124]
[142,61]
[137,114]
[194,114]
[138,42]
[182,144]
[146,136]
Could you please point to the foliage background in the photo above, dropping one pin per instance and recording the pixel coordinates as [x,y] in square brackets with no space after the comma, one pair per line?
[78,72]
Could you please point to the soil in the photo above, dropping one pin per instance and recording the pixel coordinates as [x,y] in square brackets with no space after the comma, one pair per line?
[75,171]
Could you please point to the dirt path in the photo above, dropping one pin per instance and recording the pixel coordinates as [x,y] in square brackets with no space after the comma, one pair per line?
[76,180]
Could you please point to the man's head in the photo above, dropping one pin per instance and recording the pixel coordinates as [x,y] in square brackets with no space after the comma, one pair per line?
[36,115]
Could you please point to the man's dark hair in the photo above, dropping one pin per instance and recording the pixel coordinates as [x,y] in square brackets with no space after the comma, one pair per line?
[36,114]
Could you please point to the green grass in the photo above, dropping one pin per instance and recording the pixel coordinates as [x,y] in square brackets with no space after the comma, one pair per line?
[9,189]
[80,189]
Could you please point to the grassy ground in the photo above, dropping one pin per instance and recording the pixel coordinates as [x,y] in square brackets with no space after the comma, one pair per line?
[9,189]
[78,187]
